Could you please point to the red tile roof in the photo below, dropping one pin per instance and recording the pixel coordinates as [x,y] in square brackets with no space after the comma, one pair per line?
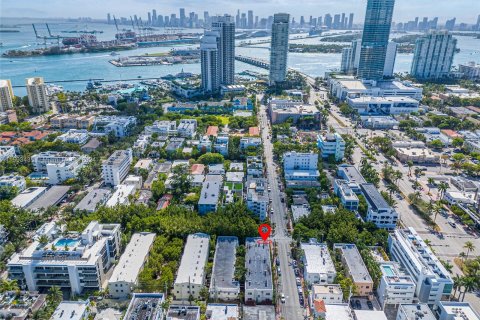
[197,168]
[319,306]
[450,133]
[254,131]
[212,131]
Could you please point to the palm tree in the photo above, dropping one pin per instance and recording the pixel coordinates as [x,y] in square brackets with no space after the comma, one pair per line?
[469,284]
[436,209]
[427,242]
[469,246]
[431,181]
[442,187]
[9,285]
[414,197]
[457,283]
[54,296]
[391,188]
[410,165]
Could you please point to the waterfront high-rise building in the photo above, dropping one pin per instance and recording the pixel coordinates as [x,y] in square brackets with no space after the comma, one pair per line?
[343,24]
[336,21]
[6,95]
[37,95]
[390,58]
[351,57]
[109,19]
[328,20]
[206,19]
[279,48]
[250,19]
[450,24]
[376,31]
[209,61]
[225,26]
[350,22]
[182,17]
[433,55]
[154,17]
[478,23]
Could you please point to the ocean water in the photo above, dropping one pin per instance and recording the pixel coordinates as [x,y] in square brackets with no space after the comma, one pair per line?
[96,65]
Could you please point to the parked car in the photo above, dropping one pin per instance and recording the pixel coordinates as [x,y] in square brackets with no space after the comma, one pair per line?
[370,305]
[358,304]
[282,297]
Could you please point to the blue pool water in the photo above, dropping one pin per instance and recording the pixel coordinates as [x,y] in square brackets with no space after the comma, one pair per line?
[388,271]
[66,242]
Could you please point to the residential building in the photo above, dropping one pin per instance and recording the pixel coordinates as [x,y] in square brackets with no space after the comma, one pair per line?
[352,176]
[60,166]
[210,194]
[6,152]
[52,197]
[470,70]
[346,64]
[6,95]
[299,211]
[257,197]
[246,142]
[183,312]
[209,61]
[8,116]
[450,310]
[412,312]
[379,122]
[433,281]
[433,55]
[337,311]
[282,110]
[28,196]
[125,275]
[120,127]
[162,127]
[223,285]
[369,315]
[218,311]
[191,273]
[79,262]
[300,166]
[74,136]
[116,168]
[376,32]
[31,303]
[367,105]
[348,198]
[395,286]
[356,268]
[317,263]
[187,128]
[71,310]
[152,302]
[225,26]
[93,200]
[331,145]
[379,211]
[328,293]
[254,167]
[416,155]
[279,48]
[143,164]
[221,144]
[37,95]
[13,181]
[390,58]
[258,277]
[121,195]
[71,122]
[91,145]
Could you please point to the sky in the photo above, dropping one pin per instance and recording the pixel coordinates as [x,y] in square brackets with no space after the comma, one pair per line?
[465,10]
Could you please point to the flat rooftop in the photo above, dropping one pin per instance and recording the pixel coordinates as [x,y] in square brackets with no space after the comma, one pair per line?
[211,189]
[459,310]
[27,196]
[224,264]
[351,173]
[258,312]
[369,315]
[50,198]
[145,306]
[355,263]
[132,260]
[257,263]
[92,199]
[183,312]
[70,310]
[194,258]
[373,196]
[394,99]
[416,311]
[317,257]
[218,311]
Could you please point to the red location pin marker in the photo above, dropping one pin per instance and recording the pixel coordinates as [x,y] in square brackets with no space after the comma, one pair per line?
[264,230]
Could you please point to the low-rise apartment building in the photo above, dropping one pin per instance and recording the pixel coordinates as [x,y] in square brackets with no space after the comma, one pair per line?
[348,198]
[59,166]
[13,181]
[331,145]
[257,197]
[6,152]
[210,194]
[318,265]
[395,286]
[75,136]
[223,285]
[379,211]
[118,126]
[258,277]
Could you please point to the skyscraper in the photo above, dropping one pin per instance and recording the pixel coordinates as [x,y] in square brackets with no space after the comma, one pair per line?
[279,48]
[109,19]
[433,55]
[376,30]
[154,17]
[37,95]
[209,61]
[450,24]
[250,19]
[350,22]
[328,20]
[182,17]
[336,21]
[6,95]
[390,59]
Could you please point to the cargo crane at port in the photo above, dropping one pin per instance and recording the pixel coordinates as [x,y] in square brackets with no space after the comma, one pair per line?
[45,38]
[122,36]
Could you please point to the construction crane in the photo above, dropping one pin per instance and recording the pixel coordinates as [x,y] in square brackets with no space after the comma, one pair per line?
[116,24]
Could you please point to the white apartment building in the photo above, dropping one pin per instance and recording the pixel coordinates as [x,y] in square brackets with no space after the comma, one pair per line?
[187,128]
[331,144]
[451,310]
[318,265]
[328,293]
[71,122]
[367,105]
[395,286]
[221,144]
[257,197]
[121,195]
[78,262]
[379,211]
[60,166]
[6,152]
[390,58]
[13,181]
[209,61]
[470,70]
[125,275]
[223,285]
[413,311]
[255,166]
[6,95]
[433,281]
[119,126]
[116,168]
[300,166]
[37,95]
[246,142]
[71,310]
[74,136]
[258,278]
[348,198]
[282,110]
[162,127]
[191,273]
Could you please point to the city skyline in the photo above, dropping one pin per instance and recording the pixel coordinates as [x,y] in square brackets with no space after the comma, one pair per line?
[464,10]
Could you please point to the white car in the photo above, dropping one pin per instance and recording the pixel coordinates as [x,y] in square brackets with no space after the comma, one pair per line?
[282,298]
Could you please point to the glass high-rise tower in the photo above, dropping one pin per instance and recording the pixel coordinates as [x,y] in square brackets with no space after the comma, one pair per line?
[376,31]
[279,48]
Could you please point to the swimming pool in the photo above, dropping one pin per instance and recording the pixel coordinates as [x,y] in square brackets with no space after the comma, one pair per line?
[388,271]
[67,242]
